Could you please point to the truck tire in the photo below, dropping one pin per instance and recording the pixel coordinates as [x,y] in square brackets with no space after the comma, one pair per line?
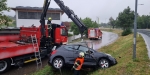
[4,65]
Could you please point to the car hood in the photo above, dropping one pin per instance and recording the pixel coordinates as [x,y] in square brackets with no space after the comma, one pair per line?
[102,54]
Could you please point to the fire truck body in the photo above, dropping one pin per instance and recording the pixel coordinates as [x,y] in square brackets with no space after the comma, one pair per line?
[20,50]
[94,33]
[17,48]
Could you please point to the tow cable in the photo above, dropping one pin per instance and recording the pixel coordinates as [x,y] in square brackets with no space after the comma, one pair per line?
[60,69]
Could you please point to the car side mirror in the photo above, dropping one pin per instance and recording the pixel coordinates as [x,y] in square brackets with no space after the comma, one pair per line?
[88,52]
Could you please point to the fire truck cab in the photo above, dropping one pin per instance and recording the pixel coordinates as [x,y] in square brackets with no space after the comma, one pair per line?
[94,33]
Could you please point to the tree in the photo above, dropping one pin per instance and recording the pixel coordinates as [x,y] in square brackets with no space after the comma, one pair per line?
[125,20]
[112,22]
[143,22]
[3,18]
[87,22]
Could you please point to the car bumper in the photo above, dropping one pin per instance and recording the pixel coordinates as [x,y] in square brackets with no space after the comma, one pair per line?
[113,60]
[49,63]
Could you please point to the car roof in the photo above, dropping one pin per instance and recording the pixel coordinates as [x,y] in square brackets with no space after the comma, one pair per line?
[80,43]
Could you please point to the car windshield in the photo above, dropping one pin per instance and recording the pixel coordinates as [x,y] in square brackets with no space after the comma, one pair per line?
[86,44]
[83,48]
[92,50]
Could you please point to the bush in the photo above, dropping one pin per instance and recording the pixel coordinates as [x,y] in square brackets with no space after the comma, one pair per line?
[70,34]
[126,32]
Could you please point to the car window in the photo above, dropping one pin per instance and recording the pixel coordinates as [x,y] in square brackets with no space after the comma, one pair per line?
[69,47]
[82,48]
[76,47]
[92,50]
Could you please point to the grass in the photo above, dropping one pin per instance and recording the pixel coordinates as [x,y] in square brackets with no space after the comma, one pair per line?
[122,51]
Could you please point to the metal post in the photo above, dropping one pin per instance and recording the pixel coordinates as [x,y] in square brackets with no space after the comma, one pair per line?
[135,31]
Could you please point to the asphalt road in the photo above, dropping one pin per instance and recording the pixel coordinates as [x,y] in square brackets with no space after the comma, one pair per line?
[107,38]
[146,36]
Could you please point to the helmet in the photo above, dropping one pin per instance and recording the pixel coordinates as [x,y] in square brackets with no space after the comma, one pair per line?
[81,54]
[49,18]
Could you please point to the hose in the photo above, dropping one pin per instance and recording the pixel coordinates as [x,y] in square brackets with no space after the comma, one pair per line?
[60,71]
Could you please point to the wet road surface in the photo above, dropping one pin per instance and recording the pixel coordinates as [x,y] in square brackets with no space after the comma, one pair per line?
[146,36]
[26,69]
[107,38]
[29,68]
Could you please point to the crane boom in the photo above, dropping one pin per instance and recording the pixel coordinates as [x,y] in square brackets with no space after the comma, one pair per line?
[70,13]
[43,15]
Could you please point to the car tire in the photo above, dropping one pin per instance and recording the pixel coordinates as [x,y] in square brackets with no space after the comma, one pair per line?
[104,63]
[58,63]
[4,65]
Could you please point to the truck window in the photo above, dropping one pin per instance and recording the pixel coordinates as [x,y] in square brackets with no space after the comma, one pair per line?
[63,32]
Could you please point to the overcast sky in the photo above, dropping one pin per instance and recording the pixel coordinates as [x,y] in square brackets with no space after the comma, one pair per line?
[103,9]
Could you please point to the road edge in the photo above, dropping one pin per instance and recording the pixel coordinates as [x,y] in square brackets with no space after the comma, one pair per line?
[146,42]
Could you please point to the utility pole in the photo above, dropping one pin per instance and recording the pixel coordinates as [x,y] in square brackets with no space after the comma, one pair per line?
[135,30]
[98,20]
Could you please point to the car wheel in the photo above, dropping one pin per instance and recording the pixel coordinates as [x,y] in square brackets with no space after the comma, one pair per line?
[103,63]
[58,63]
[4,65]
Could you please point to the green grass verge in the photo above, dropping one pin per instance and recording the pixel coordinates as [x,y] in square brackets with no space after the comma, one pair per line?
[122,50]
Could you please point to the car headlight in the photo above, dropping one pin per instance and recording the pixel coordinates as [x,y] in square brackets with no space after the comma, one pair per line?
[108,54]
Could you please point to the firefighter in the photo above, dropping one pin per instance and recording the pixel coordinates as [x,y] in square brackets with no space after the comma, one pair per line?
[49,20]
[49,32]
[78,63]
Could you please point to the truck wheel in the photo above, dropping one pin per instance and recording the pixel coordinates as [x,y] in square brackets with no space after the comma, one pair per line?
[4,65]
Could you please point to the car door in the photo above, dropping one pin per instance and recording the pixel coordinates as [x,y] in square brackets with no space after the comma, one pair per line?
[87,59]
[92,57]
[69,58]
[75,52]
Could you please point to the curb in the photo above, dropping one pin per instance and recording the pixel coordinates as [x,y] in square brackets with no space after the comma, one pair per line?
[146,42]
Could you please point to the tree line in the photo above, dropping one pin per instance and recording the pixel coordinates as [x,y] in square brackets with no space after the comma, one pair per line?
[124,20]
[127,17]
[87,22]
[4,20]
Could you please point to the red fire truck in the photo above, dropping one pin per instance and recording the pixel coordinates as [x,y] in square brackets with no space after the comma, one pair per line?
[94,33]
[26,44]
[18,46]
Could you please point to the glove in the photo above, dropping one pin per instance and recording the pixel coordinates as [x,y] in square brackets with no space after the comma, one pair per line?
[78,62]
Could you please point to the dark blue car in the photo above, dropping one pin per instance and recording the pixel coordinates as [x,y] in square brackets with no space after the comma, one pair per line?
[65,55]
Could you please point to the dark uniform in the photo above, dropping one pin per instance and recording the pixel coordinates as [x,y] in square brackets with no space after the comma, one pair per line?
[49,33]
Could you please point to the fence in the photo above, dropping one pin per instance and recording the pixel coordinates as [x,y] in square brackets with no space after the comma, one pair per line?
[70,39]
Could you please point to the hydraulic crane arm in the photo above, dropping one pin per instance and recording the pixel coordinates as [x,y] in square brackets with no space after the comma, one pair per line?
[43,15]
[72,16]
[67,10]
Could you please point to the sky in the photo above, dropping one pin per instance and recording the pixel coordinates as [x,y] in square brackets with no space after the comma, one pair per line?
[94,9]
